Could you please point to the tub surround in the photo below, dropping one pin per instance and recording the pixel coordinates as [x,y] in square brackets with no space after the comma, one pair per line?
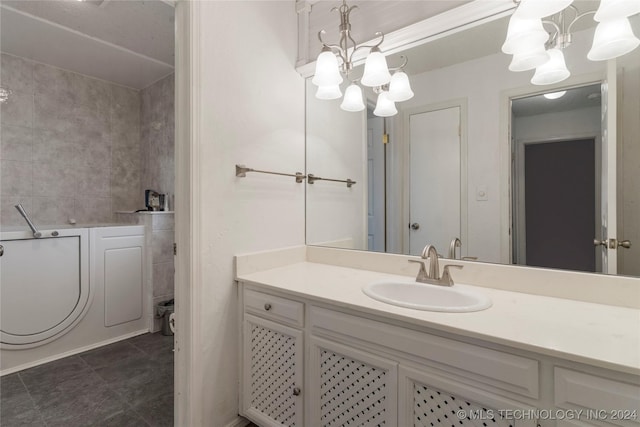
[70,145]
[157,129]
[79,147]
[530,311]
[159,238]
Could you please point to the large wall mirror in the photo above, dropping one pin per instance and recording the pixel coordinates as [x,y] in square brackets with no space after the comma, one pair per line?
[482,155]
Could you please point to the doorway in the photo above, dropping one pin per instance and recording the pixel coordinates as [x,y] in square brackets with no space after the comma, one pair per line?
[556,168]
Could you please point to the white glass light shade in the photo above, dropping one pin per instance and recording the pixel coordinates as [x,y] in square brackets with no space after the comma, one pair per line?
[555,95]
[553,71]
[612,39]
[376,71]
[352,99]
[399,87]
[328,92]
[541,8]
[384,106]
[327,70]
[616,9]
[524,34]
[528,60]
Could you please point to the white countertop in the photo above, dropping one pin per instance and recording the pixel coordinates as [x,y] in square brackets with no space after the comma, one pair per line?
[596,334]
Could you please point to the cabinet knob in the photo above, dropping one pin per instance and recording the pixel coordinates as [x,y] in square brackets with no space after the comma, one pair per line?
[267,306]
[296,391]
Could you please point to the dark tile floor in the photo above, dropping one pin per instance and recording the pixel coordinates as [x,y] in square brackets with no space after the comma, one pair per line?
[126,384]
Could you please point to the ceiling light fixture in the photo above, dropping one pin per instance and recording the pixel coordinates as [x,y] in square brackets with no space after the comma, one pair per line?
[336,61]
[534,47]
[555,95]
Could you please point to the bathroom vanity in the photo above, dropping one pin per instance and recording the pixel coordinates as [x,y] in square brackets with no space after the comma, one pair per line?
[317,351]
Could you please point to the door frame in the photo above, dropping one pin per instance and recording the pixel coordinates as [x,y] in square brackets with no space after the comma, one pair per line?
[383,212]
[188,403]
[462,104]
[506,154]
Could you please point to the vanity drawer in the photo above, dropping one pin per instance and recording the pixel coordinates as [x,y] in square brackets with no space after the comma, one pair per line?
[275,308]
[604,399]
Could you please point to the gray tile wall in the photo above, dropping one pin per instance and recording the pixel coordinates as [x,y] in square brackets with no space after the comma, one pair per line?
[159,234]
[157,136]
[69,145]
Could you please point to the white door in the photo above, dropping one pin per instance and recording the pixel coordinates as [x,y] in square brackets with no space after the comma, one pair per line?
[376,177]
[608,234]
[434,194]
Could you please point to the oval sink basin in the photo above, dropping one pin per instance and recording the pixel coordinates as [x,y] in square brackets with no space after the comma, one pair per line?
[420,296]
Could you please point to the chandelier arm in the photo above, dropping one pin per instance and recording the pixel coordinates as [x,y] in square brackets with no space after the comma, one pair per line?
[582,15]
[336,49]
[355,47]
[404,63]
[377,45]
[552,37]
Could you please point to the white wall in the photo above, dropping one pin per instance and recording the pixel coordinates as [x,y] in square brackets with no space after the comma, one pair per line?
[567,124]
[482,82]
[336,148]
[251,104]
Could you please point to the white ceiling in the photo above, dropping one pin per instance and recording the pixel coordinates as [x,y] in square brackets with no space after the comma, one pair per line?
[127,42]
[370,16]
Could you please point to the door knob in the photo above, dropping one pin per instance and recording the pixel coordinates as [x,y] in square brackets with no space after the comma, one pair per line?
[1,250]
[415,226]
[625,243]
[604,242]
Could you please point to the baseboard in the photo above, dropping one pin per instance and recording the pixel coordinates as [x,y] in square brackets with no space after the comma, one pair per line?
[71,352]
[238,422]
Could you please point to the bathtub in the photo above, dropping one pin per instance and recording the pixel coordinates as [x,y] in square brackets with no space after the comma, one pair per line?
[73,289]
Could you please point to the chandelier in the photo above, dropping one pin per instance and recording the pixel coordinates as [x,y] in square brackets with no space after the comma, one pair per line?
[336,61]
[533,47]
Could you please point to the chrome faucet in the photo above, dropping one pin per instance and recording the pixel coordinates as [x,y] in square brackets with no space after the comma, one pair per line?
[455,243]
[432,276]
[429,252]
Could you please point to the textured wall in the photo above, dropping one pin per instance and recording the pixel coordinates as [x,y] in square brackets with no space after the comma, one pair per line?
[251,111]
[70,145]
[157,136]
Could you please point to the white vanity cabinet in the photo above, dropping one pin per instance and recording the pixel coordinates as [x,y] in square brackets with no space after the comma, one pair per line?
[273,354]
[531,360]
[426,379]
[364,372]
[597,399]
[350,387]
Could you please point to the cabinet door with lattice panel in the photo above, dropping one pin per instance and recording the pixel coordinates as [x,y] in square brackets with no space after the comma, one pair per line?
[427,399]
[272,373]
[349,387]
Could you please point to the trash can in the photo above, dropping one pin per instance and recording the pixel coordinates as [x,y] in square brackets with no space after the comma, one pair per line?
[164,310]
